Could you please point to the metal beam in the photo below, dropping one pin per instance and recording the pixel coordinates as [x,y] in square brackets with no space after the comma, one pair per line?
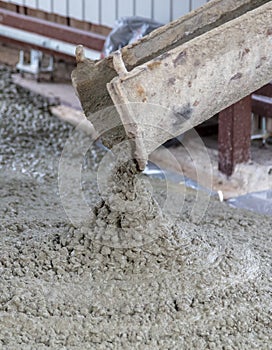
[42,42]
[234,135]
[195,80]
[234,130]
[52,30]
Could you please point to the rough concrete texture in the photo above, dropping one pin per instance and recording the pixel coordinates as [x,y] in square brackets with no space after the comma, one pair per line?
[204,285]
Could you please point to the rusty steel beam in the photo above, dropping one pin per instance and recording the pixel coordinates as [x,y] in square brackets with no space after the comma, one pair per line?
[234,134]
[234,130]
[52,30]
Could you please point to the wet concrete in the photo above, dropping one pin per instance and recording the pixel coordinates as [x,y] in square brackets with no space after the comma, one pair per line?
[194,285]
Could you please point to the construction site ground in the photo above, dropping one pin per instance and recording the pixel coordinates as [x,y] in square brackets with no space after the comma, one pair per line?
[202,280]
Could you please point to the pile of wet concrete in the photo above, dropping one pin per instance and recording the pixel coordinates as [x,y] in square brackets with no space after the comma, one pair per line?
[195,285]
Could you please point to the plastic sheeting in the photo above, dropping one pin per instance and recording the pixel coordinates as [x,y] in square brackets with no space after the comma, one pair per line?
[126,31]
[259,202]
[153,170]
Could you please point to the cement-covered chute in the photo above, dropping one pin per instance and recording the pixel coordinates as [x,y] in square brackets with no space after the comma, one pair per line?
[193,67]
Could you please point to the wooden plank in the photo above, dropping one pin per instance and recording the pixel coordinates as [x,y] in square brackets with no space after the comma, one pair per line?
[28,46]
[37,13]
[8,6]
[195,80]
[234,135]
[43,12]
[53,30]
[54,17]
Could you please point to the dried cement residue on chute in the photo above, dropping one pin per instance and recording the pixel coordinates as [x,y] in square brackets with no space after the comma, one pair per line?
[202,285]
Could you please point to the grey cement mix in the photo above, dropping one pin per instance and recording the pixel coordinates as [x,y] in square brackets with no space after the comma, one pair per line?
[194,285]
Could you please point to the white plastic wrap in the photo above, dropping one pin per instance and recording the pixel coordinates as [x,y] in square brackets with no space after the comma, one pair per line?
[260,202]
[126,31]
